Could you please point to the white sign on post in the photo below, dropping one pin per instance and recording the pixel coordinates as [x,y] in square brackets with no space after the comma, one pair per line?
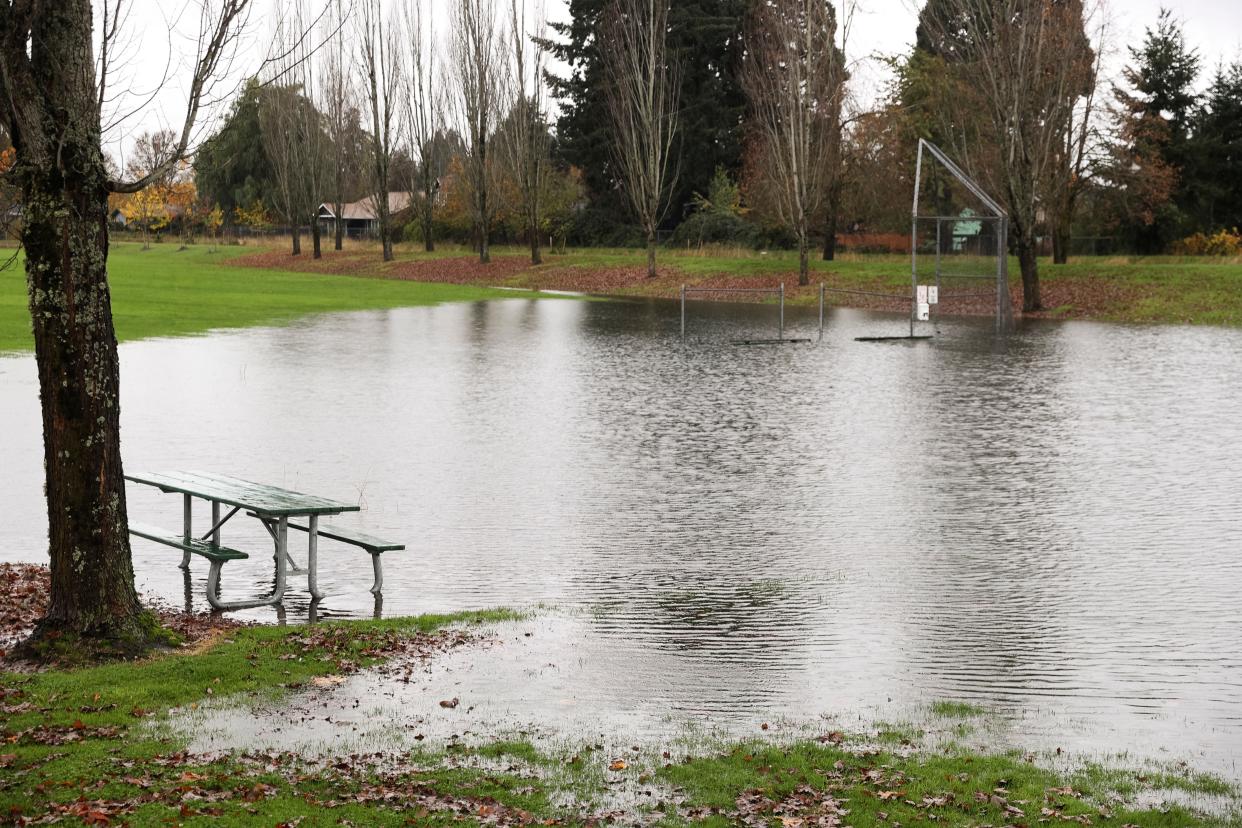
[928,294]
[924,311]
[922,295]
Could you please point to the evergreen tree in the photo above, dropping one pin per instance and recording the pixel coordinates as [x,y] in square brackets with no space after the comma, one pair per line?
[1154,138]
[583,137]
[705,38]
[231,168]
[1215,162]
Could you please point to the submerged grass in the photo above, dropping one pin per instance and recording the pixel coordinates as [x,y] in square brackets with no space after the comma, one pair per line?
[94,745]
[165,291]
[882,788]
[947,709]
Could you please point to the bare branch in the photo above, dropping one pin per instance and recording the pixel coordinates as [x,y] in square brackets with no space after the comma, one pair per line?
[219,30]
[643,101]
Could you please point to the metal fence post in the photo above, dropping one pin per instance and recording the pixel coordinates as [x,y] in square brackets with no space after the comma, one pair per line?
[683,312]
[934,313]
[821,310]
[781,334]
[1004,307]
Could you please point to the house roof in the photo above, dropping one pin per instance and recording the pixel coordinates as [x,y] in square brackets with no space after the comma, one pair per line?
[366,209]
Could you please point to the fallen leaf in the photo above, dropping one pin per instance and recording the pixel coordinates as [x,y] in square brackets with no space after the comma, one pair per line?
[330,681]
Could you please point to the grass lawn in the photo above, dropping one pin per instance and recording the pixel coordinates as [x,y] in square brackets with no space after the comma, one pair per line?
[90,746]
[166,292]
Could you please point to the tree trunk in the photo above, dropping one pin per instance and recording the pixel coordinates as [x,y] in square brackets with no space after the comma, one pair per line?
[536,255]
[1060,242]
[315,233]
[485,252]
[79,380]
[60,170]
[429,243]
[1029,265]
[385,230]
[804,260]
[295,233]
[338,225]
[830,236]
[651,254]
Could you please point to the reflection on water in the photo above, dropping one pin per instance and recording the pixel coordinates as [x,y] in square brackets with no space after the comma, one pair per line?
[1046,525]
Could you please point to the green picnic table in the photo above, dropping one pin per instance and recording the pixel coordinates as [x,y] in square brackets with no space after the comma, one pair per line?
[279,510]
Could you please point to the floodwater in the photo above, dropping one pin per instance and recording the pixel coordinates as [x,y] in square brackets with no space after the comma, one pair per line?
[1046,525]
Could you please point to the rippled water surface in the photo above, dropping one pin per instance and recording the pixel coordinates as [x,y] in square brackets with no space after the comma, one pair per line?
[1046,525]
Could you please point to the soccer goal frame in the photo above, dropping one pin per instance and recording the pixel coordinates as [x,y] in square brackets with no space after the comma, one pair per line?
[992,215]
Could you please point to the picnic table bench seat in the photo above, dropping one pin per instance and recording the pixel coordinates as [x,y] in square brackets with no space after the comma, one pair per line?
[351,536]
[217,557]
[373,545]
[193,545]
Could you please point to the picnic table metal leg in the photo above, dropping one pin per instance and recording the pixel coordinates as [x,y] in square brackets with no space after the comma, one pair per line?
[215,523]
[189,591]
[282,554]
[378,586]
[187,512]
[312,559]
[213,587]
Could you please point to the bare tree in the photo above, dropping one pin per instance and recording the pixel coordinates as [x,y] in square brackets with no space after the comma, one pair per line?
[424,112]
[794,77]
[379,54]
[1076,149]
[151,154]
[478,61]
[52,110]
[643,98]
[1018,69]
[293,128]
[527,141]
[278,117]
[337,96]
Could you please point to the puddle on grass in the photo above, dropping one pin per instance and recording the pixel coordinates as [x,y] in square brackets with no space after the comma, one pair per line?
[538,681]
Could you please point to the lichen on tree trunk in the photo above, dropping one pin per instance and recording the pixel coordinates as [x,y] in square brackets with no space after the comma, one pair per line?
[60,170]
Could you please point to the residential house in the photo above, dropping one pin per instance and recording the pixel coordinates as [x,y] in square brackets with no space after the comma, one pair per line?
[362,216]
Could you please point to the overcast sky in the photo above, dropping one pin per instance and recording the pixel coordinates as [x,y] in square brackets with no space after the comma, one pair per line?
[880,28]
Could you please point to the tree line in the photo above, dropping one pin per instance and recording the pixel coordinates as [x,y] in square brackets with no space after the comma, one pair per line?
[365,101]
[665,109]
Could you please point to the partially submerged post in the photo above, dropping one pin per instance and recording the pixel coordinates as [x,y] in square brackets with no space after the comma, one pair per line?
[782,328]
[683,312]
[821,311]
